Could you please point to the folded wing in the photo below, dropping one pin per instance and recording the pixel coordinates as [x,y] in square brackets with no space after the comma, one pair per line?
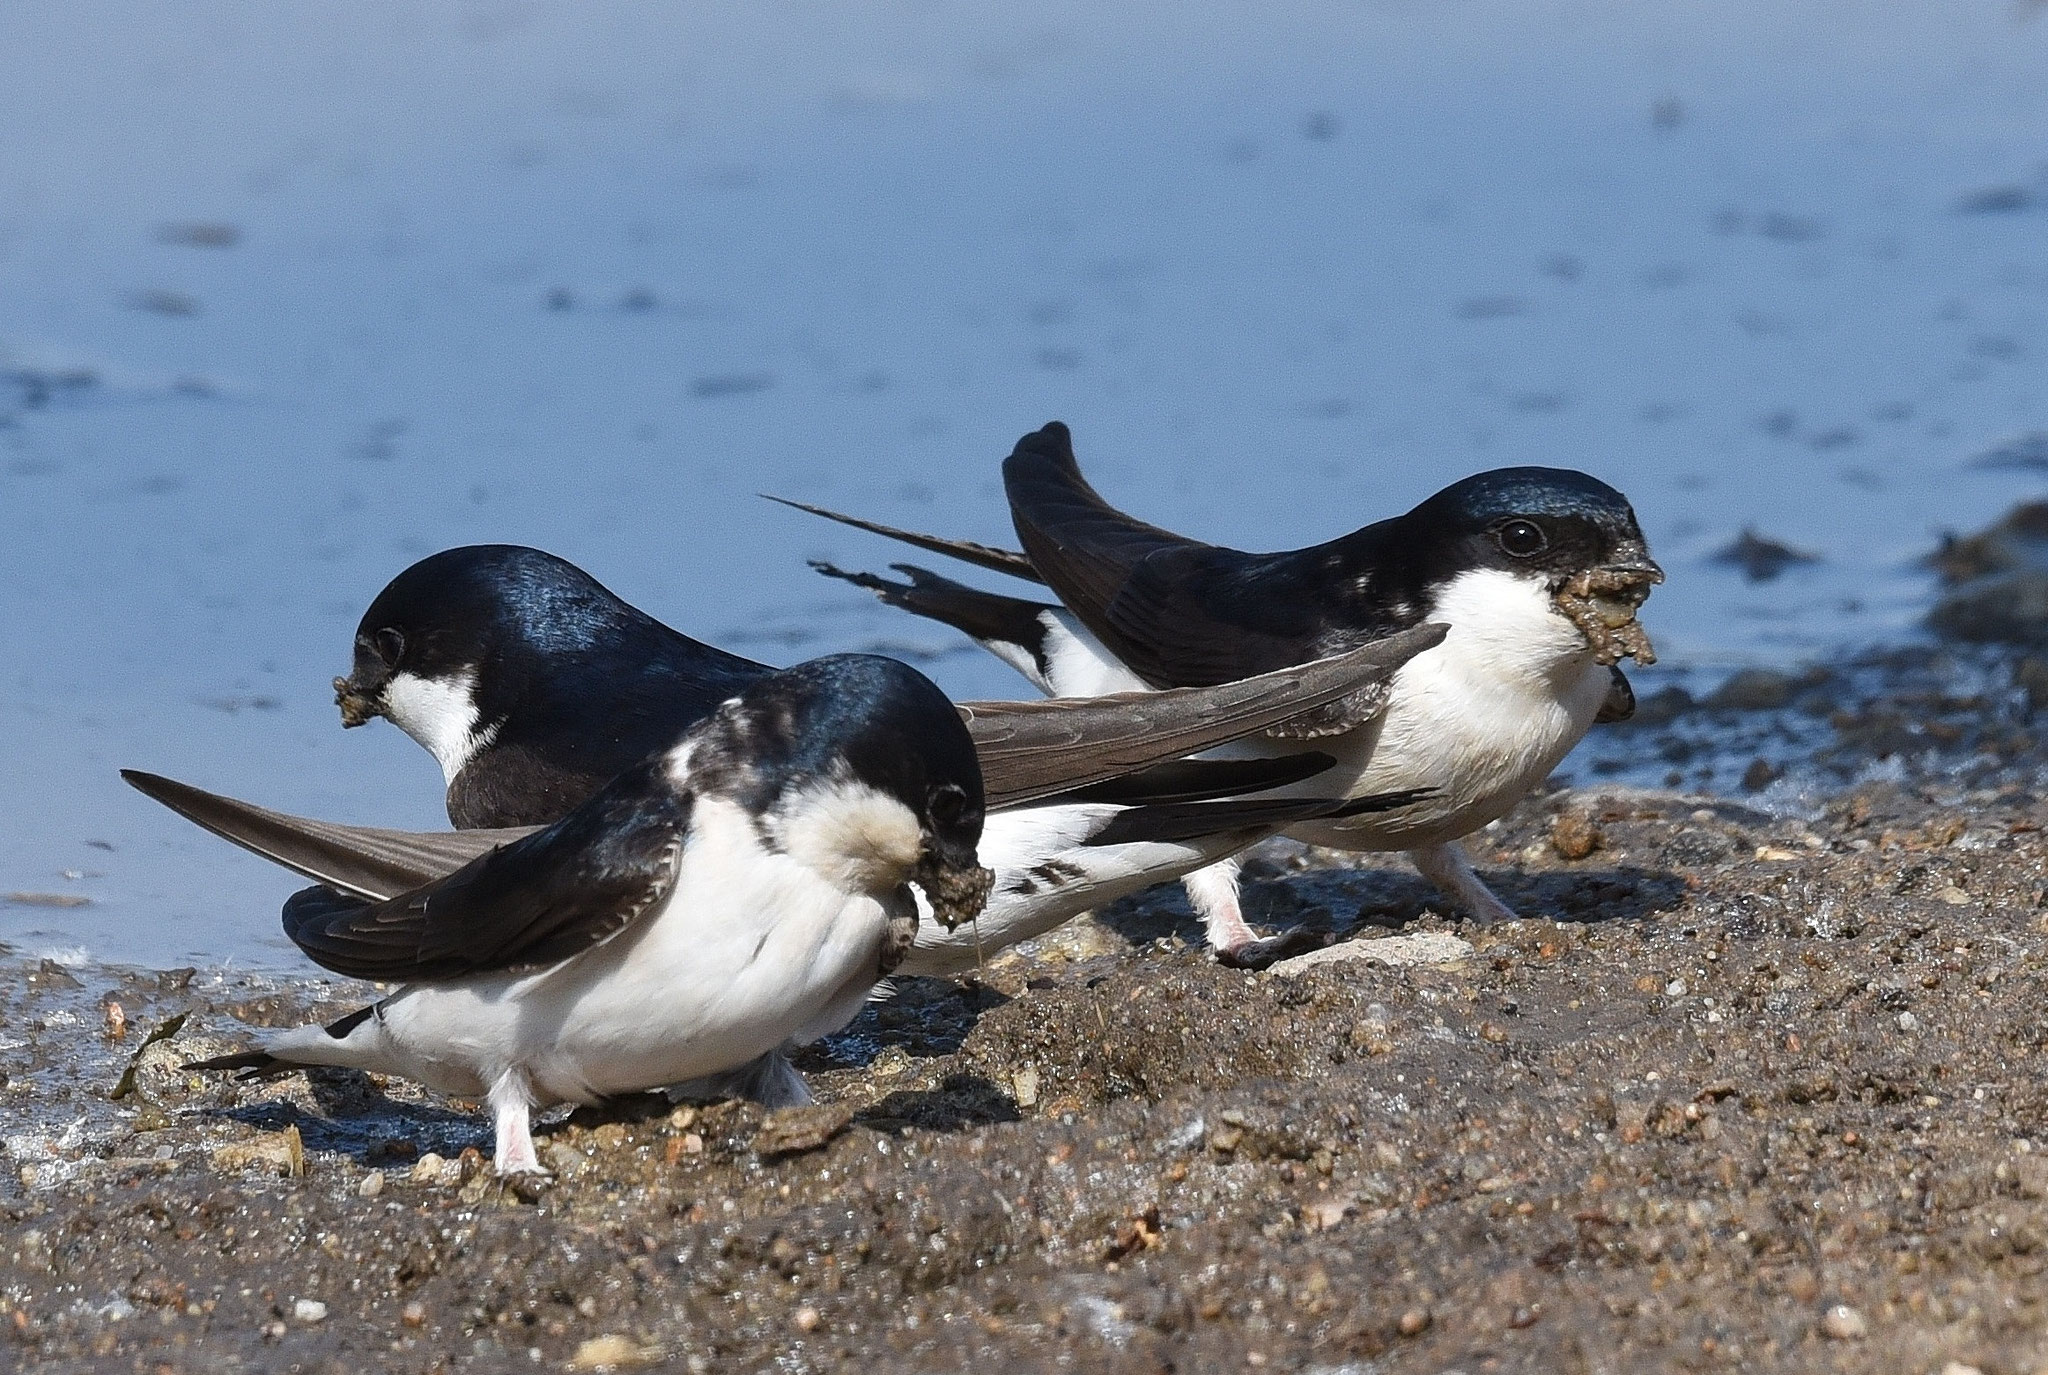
[366,861]
[532,903]
[1037,749]
[1175,610]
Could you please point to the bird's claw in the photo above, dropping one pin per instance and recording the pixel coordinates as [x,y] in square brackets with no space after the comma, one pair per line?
[1262,954]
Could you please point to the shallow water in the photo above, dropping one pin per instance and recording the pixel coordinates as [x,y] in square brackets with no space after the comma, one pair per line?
[591,277]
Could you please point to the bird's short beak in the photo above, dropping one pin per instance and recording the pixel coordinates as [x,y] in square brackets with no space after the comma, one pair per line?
[955,883]
[1634,565]
[359,702]
[1602,602]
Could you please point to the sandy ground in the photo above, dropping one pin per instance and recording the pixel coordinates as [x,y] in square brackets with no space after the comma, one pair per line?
[1755,1091]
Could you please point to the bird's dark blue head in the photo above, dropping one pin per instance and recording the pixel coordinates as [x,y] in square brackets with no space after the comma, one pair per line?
[809,750]
[1570,541]
[471,612]
[1552,522]
[522,636]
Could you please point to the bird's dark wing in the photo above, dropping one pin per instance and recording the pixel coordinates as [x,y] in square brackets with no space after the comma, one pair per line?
[1199,780]
[599,714]
[1031,750]
[1178,612]
[1171,821]
[980,555]
[366,861]
[530,904]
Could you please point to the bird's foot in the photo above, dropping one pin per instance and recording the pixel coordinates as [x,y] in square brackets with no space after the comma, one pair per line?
[1447,867]
[528,1186]
[1265,952]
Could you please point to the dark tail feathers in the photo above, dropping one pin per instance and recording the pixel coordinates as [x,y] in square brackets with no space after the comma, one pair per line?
[256,1064]
[981,615]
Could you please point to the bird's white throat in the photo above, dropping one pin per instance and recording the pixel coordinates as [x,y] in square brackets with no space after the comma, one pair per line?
[441,714]
[860,839]
[1505,627]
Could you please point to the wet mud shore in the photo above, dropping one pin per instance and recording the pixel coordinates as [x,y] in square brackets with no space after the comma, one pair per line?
[1755,1085]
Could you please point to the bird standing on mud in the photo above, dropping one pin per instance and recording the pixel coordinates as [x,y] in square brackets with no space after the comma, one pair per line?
[741,891]
[532,685]
[1538,572]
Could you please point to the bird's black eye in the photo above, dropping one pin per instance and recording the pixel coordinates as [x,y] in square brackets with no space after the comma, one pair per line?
[1521,538]
[389,644]
[948,805]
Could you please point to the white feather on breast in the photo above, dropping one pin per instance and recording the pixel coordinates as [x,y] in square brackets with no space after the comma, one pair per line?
[752,949]
[1481,719]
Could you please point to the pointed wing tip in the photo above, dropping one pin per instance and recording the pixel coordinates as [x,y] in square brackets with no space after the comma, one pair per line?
[154,786]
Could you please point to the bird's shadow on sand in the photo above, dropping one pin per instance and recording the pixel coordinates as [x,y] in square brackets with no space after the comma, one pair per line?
[1347,902]
[960,1102]
[351,1116]
[923,1018]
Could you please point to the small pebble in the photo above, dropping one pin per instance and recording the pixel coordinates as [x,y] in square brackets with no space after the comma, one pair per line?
[1414,1322]
[807,1319]
[427,1169]
[1844,1324]
[1574,836]
[613,1352]
[309,1311]
[1908,1022]
[413,1314]
[372,1185]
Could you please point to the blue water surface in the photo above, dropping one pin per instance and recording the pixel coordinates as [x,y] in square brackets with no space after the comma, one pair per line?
[290,296]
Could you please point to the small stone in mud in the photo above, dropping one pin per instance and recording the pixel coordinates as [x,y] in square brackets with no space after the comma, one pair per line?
[413,1314]
[1414,1322]
[791,1131]
[1844,1324]
[2018,539]
[1374,1033]
[1662,707]
[2000,608]
[309,1311]
[1753,689]
[1574,836]
[613,1352]
[565,1160]
[50,974]
[1697,846]
[372,1185]
[281,1152]
[1760,557]
[807,1319]
[1414,948]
